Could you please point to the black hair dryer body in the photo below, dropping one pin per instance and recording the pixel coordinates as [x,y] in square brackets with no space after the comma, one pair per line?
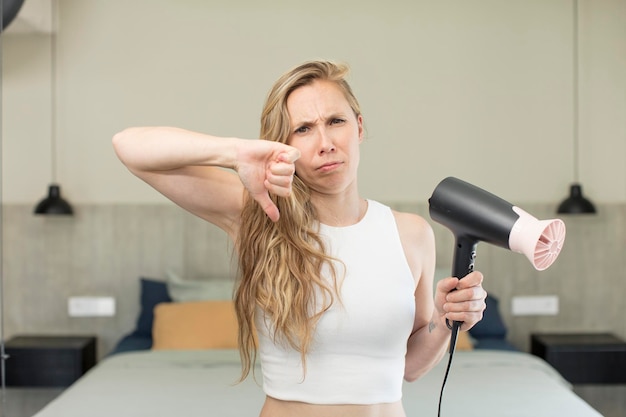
[473,215]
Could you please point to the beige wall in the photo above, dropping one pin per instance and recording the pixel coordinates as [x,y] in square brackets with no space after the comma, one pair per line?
[481,90]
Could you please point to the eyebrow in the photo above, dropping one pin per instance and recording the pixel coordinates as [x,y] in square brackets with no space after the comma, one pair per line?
[336,115]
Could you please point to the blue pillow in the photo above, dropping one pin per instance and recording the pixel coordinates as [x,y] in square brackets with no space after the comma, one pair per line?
[153,292]
[492,324]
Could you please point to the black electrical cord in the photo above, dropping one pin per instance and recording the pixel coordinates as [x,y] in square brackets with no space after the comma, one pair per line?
[453,336]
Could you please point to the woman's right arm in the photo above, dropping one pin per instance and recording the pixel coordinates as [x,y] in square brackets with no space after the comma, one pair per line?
[188,168]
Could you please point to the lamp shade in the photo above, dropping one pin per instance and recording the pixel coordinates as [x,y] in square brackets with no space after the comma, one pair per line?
[53,204]
[576,203]
[10,9]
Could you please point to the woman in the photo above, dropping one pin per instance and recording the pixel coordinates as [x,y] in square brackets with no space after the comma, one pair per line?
[335,292]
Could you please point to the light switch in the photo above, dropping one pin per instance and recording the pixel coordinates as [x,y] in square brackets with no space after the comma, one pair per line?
[539,305]
[91,306]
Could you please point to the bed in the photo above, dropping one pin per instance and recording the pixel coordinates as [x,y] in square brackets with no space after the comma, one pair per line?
[152,373]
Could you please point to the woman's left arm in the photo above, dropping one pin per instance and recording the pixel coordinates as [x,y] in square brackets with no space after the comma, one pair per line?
[454,299]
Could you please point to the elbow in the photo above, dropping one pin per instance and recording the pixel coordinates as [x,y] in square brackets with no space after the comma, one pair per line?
[122,145]
[410,377]
[118,143]
[412,374]
[416,369]
[122,137]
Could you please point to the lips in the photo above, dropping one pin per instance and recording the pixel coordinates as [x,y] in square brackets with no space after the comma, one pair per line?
[329,166]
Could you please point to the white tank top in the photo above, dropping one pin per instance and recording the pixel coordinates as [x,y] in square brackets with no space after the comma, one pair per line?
[358,353]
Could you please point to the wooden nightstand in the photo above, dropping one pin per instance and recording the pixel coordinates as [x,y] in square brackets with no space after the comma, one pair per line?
[48,361]
[583,358]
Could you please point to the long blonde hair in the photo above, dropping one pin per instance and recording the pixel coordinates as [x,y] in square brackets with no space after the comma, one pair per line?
[280,263]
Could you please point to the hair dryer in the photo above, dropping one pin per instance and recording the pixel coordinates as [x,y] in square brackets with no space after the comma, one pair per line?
[473,215]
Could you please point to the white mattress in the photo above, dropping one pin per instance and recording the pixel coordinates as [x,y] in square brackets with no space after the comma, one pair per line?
[203,383]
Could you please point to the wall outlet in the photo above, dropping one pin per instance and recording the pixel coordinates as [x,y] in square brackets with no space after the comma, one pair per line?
[91,306]
[540,305]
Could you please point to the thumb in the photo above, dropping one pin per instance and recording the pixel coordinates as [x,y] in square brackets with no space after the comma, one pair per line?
[447,284]
[290,155]
[268,206]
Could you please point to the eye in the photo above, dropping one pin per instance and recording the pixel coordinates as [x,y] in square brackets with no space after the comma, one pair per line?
[301,129]
[337,121]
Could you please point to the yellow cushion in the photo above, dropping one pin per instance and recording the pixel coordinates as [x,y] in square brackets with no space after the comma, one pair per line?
[463,342]
[195,325]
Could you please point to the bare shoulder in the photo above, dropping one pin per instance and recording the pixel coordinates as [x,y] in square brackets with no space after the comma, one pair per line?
[412,226]
[418,242]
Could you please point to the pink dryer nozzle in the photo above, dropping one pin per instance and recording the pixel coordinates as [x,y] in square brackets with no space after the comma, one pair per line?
[540,241]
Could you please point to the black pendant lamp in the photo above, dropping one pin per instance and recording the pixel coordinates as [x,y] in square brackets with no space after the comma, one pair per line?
[53,204]
[576,203]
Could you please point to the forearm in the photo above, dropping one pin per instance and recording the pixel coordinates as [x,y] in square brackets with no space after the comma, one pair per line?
[425,348]
[168,148]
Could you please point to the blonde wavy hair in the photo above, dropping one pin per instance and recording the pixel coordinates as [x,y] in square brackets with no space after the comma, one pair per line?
[280,264]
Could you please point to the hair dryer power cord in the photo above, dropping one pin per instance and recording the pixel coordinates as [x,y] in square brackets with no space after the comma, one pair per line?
[453,336]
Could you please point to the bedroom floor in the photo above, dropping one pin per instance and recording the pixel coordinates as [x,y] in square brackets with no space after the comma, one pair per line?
[25,402]
[609,400]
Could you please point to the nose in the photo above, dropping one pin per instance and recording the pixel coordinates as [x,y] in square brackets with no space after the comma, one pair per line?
[326,143]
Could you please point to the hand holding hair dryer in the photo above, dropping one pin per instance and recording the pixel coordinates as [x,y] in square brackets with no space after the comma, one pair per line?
[473,215]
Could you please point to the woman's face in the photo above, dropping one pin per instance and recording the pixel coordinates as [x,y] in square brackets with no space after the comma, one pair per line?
[328,133]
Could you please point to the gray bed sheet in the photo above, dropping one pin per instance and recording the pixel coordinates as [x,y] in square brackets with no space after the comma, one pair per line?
[203,383]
